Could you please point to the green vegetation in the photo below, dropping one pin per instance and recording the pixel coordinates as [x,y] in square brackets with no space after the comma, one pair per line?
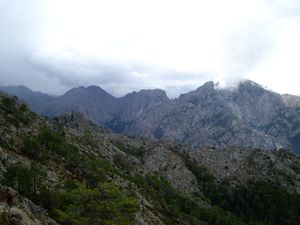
[89,196]
[84,166]
[257,202]
[19,111]
[95,201]
[122,162]
[105,204]
[137,152]
[180,208]
[204,177]
[32,149]
[27,180]
[262,203]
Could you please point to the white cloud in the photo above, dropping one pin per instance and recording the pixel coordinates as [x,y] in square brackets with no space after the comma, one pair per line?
[171,44]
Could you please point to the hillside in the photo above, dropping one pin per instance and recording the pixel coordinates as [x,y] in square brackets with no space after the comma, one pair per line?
[248,116]
[70,171]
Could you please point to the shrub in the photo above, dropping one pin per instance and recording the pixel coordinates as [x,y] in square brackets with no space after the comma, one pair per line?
[31,148]
[106,204]
[26,180]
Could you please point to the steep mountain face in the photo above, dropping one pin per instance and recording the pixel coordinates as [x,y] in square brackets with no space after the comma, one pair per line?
[22,211]
[75,172]
[248,116]
[220,118]
[257,105]
[93,102]
[130,107]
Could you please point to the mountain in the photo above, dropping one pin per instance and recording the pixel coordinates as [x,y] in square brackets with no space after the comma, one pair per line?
[35,99]
[68,170]
[95,103]
[247,116]
[130,107]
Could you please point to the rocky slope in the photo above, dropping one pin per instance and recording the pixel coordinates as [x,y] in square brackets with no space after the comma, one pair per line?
[248,116]
[143,181]
[22,211]
[291,100]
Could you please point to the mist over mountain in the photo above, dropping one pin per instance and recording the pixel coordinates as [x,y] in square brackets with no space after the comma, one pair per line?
[248,116]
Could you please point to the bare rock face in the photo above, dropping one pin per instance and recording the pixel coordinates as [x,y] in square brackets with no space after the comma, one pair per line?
[291,100]
[241,165]
[133,105]
[172,167]
[16,210]
[219,118]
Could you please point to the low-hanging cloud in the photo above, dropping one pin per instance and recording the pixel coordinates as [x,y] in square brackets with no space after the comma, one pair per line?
[72,69]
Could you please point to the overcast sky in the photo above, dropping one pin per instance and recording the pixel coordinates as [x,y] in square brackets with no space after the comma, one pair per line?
[126,45]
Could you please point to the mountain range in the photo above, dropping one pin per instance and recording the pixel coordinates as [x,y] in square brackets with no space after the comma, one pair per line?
[247,116]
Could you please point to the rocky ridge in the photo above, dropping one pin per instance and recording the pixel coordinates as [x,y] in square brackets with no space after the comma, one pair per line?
[248,116]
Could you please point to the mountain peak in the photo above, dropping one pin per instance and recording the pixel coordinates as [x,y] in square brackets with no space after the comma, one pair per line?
[94,88]
[207,86]
[154,93]
[90,91]
[250,84]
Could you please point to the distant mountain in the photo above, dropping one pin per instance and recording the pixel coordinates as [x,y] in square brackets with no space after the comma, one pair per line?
[35,99]
[215,117]
[133,105]
[95,103]
[248,116]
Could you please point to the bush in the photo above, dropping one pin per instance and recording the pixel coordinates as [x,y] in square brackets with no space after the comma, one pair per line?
[106,204]
[32,148]
[121,162]
[137,152]
[26,180]
[9,104]
[180,207]
[17,111]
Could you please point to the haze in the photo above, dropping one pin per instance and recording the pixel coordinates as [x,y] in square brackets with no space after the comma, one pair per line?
[54,45]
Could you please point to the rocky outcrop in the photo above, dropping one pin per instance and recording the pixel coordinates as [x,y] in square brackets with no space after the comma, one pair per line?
[162,160]
[21,211]
[240,165]
[291,100]
[218,118]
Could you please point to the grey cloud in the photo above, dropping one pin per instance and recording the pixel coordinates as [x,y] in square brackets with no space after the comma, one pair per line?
[72,70]
[21,25]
